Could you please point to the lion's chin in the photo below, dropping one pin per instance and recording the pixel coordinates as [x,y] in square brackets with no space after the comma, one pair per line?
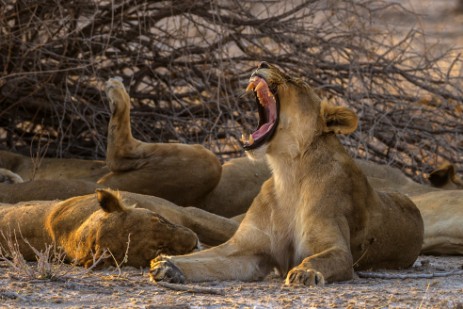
[257,153]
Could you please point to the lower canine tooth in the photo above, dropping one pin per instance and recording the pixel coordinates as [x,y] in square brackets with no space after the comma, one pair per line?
[250,140]
[245,138]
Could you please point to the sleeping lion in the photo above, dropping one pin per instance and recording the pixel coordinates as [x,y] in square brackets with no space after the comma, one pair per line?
[84,227]
[317,218]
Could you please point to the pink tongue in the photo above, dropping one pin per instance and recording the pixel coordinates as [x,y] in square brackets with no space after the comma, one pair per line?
[262,131]
[270,110]
[267,101]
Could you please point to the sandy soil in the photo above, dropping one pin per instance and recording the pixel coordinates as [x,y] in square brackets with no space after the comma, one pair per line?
[76,288]
[129,288]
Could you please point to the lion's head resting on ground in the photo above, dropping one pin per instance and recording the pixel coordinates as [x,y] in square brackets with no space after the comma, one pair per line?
[120,229]
[87,226]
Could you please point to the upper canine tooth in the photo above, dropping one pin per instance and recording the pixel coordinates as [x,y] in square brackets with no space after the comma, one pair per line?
[259,85]
[250,87]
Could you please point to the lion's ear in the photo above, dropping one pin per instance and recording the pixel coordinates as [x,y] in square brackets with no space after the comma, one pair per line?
[444,176]
[109,201]
[338,119]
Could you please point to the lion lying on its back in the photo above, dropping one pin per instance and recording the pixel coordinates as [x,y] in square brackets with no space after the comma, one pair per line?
[316,218]
[180,173]
[85,226]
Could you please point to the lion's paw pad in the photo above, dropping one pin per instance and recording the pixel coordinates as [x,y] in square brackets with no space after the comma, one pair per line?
[307,277]
[114,87]
[115,82]
[164,270]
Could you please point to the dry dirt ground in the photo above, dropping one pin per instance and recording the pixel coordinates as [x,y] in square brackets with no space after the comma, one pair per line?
[130,288]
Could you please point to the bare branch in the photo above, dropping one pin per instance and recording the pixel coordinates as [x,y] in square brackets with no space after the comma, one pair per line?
[186,65]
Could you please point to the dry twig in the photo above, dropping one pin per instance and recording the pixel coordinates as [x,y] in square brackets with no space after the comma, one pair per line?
[190,289]
[367,274]
[186,65]
[50,261]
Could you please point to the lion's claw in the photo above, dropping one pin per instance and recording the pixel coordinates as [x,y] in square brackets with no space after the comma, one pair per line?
[307,277]
[163,269]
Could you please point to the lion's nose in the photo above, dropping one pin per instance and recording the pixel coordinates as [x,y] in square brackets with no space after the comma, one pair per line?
[263,65]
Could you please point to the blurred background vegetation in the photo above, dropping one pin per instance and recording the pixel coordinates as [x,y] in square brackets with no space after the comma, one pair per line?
[186,65]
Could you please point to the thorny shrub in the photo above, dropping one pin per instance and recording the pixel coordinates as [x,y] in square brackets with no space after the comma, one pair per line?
[186,64]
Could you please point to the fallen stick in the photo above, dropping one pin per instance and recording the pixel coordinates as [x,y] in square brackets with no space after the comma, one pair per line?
[190,289]
[368,274]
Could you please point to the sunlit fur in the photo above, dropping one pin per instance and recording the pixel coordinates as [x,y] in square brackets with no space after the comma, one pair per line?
[316,218]
[177,172]
[85,227]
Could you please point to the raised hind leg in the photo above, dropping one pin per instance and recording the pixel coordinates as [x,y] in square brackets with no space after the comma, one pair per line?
[180,173]
[122,150]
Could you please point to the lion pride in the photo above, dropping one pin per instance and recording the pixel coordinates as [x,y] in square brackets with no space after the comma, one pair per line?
[317,218]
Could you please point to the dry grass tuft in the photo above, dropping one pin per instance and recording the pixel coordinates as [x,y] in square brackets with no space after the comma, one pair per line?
[49,265]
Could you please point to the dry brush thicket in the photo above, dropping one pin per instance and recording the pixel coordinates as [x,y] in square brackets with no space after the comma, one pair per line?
[186,64]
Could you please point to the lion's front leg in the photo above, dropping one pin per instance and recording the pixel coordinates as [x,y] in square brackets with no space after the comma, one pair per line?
[331,265]
[229,261]
[330,259]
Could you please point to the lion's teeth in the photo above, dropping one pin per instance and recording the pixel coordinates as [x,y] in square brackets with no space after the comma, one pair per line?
[261,99]
[250,87]
[244,138]
[251,139]
[247,139]
[259,86]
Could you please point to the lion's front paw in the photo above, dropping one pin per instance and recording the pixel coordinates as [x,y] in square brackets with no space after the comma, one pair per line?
[307,277]
[162,269]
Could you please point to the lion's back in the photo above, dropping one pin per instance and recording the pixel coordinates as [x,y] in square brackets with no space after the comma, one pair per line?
[395,232]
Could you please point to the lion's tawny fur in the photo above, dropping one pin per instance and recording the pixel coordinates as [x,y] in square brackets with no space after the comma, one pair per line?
[37,168]
[442,213]
[177,172]
[85,226]
[317,218]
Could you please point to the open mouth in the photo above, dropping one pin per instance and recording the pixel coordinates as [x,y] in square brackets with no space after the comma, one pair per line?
[268,108]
